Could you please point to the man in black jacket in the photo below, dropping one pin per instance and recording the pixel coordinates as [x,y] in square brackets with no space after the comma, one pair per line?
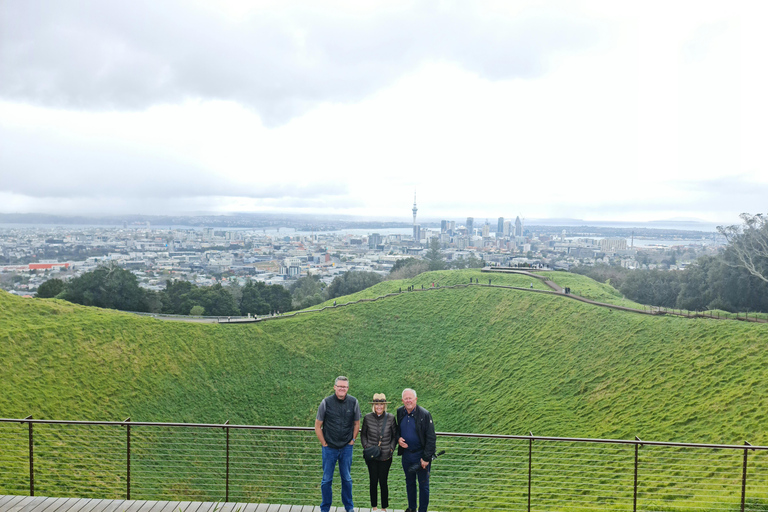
[417,442]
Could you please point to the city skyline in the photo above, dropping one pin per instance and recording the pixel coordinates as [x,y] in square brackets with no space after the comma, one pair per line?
[548,110]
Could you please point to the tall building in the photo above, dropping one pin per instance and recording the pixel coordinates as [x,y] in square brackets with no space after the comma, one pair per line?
[507,228]
[443,226]
[374,240]
[470,226]
[416,227]
[500,226]
[486,229]
[518,227]
[613,244]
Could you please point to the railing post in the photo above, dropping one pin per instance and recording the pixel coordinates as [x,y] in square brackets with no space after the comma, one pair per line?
[634,499]
[744,478]
[31,458]
[127,458]
[226,478]
[530,468]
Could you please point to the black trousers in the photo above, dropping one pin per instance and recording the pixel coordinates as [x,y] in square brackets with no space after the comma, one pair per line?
[378,471]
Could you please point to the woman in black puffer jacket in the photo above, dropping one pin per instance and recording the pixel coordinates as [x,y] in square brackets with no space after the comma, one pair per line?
[379,429]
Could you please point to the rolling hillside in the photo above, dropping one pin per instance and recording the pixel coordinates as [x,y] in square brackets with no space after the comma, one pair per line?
[482,359]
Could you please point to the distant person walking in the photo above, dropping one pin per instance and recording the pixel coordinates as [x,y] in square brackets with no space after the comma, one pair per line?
[336,426]
[379,429]
[417,440]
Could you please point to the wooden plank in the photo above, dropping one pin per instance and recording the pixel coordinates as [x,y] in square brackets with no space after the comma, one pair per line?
[273,507]
[20,502]
[188,506]
[133,505]
[251,507]
[159,506]
[89,506]
[74,504]
[6,498]
[166,506]
[109,506]
[39,504]
[262,507]
[208,506]
[149,505]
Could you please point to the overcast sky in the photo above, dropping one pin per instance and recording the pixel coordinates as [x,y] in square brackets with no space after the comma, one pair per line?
[615,110]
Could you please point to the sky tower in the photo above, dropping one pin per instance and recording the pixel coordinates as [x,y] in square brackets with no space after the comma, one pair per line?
[414,208]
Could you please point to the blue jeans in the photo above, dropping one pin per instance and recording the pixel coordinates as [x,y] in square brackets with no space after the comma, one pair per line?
[344,458]
[410,459]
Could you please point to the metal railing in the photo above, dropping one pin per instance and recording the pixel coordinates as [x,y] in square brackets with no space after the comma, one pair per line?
[246,463]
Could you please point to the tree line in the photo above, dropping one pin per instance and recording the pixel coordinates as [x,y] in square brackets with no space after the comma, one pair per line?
[736,280]
[113,287]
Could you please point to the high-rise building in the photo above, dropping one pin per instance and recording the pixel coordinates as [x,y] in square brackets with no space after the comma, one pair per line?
[613,244]
[470,226]
[417,232]
[374,240]
[486,229]
[443,226]
[500,226]
[518,227]
[507,228]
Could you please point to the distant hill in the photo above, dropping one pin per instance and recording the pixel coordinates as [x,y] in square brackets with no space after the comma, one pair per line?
[482,359]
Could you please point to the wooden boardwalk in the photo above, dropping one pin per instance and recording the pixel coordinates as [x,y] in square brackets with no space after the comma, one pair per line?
[43,504]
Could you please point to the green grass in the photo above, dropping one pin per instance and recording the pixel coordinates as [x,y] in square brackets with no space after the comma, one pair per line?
[483,359]
[488,359]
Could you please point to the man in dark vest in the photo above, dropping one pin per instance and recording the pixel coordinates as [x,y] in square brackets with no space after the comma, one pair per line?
[336,426]
[417,440]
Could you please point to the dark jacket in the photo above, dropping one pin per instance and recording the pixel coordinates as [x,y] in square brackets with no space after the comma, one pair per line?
[339,421]
[371,430]
[425,429]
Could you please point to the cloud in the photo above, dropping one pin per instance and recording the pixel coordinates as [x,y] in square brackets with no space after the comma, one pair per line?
[94,55]
[42,165]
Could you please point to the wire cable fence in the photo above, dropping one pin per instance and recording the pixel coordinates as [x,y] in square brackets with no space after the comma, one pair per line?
[244,463]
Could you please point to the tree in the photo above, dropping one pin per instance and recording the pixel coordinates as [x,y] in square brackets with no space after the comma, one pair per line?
[107,287]
[50,288]
[197,311]
[306,292]
[409,271]
[351,282]
[434,257]
[175,297]
[748,244]
[216,300]
[404,262]
[261,299]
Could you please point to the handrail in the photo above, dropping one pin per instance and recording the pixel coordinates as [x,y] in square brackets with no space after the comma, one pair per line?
[446,434]
[259,463]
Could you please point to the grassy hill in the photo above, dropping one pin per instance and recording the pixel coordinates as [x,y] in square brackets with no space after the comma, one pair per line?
[482,359]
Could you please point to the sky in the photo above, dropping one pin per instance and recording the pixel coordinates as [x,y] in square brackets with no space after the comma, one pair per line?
[612,111]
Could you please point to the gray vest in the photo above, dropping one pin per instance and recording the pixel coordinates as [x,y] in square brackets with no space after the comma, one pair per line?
[339,422]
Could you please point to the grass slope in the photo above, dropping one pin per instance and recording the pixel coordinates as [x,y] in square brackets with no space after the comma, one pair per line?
[483,360]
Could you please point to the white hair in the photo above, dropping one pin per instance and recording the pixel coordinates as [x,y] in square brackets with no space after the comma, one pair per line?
[411,390]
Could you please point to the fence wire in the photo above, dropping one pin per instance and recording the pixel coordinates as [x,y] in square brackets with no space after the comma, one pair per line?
[283,465]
